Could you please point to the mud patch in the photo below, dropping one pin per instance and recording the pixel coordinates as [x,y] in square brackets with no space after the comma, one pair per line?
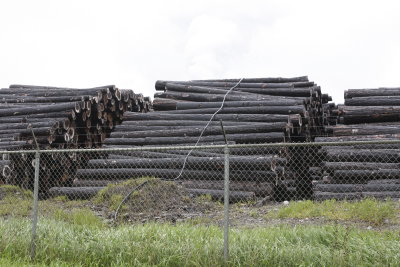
[14,192]
[151,199]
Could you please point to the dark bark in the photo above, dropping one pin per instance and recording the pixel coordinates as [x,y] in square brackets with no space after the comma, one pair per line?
[362,155]
[363,129]
[373,101]
[384,91]
[75,192]
[350,176]
[161,84]
[201,97]
[170,104]
[343,188]
[40,109]
[181,125]
[29,99]
[378,137]
[299,109]
[239,138]
[196,131]
[119,174]
[366,114]
[130,116]
[332,166]
[259,189]
[282,91]
[321,196]
[206,163]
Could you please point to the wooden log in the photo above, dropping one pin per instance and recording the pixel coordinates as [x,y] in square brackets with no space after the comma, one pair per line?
[75,192]
[196,131]
[38,131]
[299,109]
[363,129]
[130,116]
[259,189]
[30,99]
[384,181]
[151,124]
[47,123]
[378,137]
[200,90]
[262,80]
[343,188]
[332,166]
[41,87]
[360,114]
[321,196]
[383,91]
[161,84]
[282,91]
[206,163]
[363,146]
[121,174]
[149,154]
[290,92]
[241,151]
[365,175]
[381,195]
[362,155]
[315,171]
[94,183]
[171,104]
[177,125]
[12,145]
[61,91]
[201,97]
[4,163]
[373,101]
[176,153]
[239,138]
[40,109]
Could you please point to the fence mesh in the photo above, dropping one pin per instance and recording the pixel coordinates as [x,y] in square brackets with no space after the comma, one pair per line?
[274,172]
[144,184]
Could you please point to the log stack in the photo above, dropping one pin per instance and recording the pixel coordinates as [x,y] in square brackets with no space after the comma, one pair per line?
[58,118]
[258,110]
[353,172]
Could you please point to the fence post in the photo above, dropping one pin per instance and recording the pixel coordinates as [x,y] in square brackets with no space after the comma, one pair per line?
[226,204]
[35,205]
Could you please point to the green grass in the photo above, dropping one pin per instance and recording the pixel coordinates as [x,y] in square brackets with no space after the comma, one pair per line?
[79,216]
[367,210]
[15,201]
[63,243]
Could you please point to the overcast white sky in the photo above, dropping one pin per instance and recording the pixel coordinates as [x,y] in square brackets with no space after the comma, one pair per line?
[338,44]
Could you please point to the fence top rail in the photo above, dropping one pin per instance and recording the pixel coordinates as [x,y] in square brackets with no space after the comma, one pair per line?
[204,147]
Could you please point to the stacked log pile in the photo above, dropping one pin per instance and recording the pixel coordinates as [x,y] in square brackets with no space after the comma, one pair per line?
[353,172]
[57,118]
[257,111]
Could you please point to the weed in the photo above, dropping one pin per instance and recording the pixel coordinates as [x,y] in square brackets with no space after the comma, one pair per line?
[70,244]
[254,214]
[367,210]
[83,217]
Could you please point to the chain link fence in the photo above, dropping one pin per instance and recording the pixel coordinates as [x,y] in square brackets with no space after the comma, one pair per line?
[180,183]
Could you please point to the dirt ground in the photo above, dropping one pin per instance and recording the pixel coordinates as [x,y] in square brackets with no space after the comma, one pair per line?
[161,201]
